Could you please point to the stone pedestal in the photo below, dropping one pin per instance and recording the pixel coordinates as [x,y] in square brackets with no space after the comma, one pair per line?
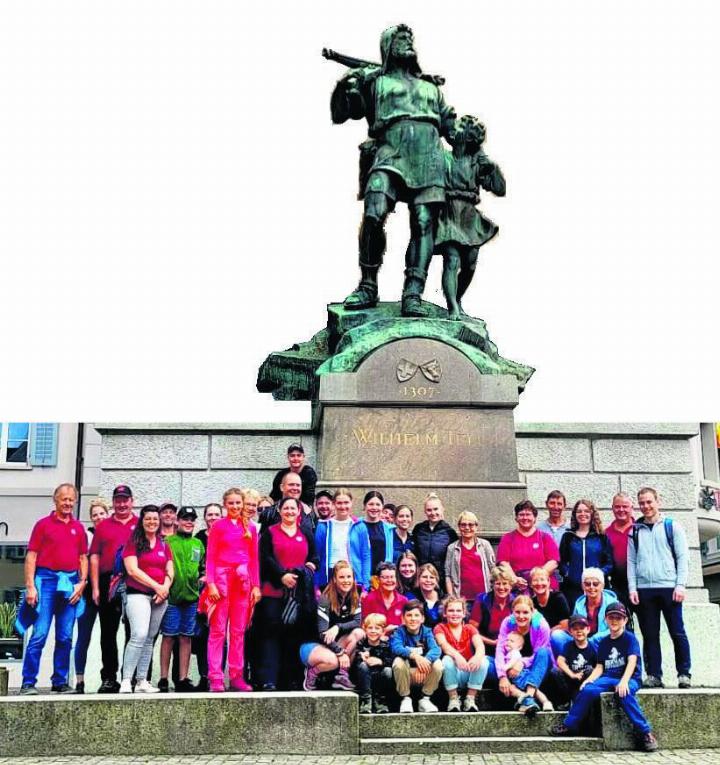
[418,416]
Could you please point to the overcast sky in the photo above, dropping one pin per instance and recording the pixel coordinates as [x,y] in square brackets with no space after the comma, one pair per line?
[175,203]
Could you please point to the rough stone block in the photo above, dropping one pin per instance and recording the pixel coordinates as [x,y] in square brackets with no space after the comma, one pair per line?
[197,724]
[599,488]
[687,719]
[157,451]
[148,486]
[627,455]
[199,488]
[257,451]
[677,492]
[556,454]
[702,624]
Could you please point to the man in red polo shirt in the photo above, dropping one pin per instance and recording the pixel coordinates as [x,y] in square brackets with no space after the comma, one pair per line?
[110,535]
[55,577]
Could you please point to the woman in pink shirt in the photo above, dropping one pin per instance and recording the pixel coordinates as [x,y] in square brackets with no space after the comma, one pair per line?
[233,585]
[386,600]
[527,547]
[149,565]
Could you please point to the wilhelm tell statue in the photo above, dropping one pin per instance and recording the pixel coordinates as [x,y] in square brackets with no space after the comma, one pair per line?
[419,153]
[404,160]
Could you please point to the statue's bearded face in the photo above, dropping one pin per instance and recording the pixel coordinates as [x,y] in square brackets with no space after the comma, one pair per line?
[402,45]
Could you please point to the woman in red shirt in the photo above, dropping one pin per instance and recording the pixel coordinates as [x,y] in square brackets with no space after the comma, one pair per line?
[149,566]
[469,561]
[386,600]
[527,547]
[288,563]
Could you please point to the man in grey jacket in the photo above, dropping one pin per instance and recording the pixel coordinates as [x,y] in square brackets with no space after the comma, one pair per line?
[657,576]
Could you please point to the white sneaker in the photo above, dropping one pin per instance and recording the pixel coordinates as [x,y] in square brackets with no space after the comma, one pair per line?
[125,687]
[454,705]
[406,705]
[144,686]
[469,704]
[425,705]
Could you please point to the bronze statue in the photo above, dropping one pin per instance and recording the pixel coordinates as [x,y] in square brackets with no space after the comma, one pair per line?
[403,160]
[462,229]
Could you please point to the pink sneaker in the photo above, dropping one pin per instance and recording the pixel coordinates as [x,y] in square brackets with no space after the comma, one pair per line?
[217,688]
[240,685]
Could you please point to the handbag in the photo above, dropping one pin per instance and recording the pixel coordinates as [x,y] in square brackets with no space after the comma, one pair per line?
[291,608]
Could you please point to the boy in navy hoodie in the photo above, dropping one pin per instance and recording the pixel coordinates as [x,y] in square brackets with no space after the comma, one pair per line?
[619,669]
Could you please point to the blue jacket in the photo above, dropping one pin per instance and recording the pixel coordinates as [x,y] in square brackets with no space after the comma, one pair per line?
[402,642]
[578,553]
[389,533]
[358,552]
[608,597]
[652,564]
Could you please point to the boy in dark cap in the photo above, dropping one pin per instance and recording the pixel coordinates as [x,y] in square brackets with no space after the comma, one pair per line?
[296,464]
[618,669]
[188,554]
[574,665]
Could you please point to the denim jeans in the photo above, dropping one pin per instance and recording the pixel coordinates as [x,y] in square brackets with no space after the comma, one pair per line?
[144,617]
[454,678]
[51,604]
[581,707]
[653,602]
[85,625]
[535,673]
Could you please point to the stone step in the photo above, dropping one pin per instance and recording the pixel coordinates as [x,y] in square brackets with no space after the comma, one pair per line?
[451,724]
[478,744]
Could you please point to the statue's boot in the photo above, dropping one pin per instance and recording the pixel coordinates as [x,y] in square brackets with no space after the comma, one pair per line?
[366,294]
[412,305]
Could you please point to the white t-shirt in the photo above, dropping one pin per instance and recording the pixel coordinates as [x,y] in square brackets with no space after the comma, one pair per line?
[339,548]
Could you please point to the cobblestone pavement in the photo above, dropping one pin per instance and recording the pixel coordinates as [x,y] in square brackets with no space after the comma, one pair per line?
[669,757]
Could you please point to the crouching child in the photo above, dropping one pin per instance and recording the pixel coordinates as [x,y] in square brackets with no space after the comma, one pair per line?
[619,670]
[373,662]
[574,665]
[417,659]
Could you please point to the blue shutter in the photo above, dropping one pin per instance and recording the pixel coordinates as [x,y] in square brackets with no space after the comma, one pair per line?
[43,446]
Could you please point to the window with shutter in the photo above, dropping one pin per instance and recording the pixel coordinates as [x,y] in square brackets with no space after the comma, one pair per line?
[14,443]
[43,446]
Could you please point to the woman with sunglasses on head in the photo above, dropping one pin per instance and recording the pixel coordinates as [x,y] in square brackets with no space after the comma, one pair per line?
[233,589]
[469,561]
[149,566]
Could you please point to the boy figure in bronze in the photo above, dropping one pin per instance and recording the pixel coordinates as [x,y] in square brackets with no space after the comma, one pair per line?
[462,229]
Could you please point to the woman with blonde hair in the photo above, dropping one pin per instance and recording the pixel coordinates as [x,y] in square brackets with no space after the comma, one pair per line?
[338,625]
[432,537]
[524,684]
[233,589]
[429,594]
[468,561]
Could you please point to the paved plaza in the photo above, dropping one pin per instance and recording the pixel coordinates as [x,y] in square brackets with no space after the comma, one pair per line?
[669,757]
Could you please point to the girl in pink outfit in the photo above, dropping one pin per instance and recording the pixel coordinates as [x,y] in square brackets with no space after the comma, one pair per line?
[233,583]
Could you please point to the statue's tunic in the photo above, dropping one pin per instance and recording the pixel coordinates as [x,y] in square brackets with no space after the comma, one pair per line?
[406,116]
[460,222]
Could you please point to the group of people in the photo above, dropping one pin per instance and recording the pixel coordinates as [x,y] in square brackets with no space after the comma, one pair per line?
[283,594]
